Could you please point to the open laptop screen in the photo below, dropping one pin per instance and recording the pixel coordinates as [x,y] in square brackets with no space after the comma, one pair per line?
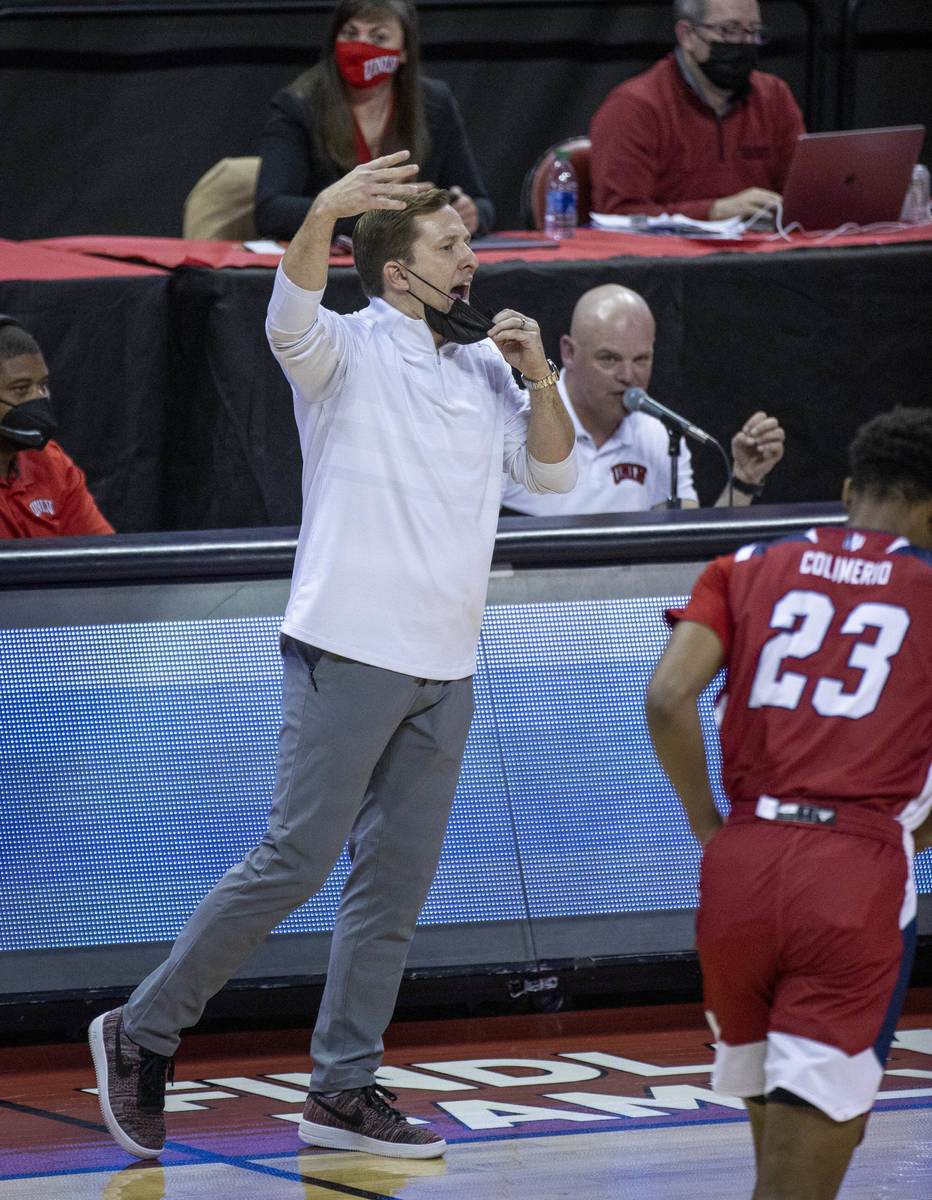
[854,175]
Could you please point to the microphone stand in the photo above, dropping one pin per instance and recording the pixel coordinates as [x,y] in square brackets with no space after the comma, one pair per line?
[673,449]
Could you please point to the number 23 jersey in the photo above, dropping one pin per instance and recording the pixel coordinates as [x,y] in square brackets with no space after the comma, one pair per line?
[827,640]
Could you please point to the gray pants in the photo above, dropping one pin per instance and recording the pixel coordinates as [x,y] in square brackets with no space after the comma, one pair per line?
[364,754]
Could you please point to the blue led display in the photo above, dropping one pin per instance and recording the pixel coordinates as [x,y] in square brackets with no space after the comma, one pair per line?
[138,760]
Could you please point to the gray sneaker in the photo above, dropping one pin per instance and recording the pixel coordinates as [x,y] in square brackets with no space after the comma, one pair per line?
[361,1119]
[130,1086]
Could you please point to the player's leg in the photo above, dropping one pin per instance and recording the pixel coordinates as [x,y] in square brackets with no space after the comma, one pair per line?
[845,965]
[803,1153]
[737,939]
[756,1107]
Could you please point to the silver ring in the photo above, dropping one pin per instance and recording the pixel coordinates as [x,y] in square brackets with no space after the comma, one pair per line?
[523,322]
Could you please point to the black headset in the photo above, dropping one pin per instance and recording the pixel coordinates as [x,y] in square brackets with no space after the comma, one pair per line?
[6,319]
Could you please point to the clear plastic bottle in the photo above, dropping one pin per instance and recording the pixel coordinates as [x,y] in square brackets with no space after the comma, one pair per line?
[916,202]
[560,214]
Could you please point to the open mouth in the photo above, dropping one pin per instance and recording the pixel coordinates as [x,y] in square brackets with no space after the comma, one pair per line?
[461,291]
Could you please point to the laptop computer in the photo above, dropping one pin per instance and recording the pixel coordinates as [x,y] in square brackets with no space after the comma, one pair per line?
[854,175]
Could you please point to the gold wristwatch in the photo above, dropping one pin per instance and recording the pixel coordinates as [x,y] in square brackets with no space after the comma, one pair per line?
[547,381]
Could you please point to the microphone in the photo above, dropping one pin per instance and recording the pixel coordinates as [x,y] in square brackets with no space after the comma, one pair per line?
[636,399]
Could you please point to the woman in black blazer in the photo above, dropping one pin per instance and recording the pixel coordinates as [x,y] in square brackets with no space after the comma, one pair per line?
[365,97]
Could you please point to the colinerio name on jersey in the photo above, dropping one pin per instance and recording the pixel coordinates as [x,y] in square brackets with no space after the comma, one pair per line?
[840,569]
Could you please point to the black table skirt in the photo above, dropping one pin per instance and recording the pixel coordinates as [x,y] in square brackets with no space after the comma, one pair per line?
[171,400]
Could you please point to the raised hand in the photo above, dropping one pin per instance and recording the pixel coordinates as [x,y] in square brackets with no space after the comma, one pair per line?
[381,183]
[757,447]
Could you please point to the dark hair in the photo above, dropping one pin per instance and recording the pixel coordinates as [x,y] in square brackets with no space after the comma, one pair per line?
[891,455]
[14,340]
[323,94]
[386,233]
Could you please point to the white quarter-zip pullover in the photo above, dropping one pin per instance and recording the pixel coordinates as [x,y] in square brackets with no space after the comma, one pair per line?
[403,447]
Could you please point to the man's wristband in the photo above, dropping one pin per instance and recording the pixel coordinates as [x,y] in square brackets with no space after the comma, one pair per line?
[746,489]
[547,381]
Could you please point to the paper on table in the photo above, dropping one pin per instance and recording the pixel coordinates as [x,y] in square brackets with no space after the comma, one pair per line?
[264,246]
[674,223]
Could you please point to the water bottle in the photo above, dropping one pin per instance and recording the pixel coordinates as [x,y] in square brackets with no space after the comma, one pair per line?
[560,213]
[916,202]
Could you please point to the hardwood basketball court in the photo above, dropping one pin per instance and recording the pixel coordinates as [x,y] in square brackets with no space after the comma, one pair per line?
[589,1105]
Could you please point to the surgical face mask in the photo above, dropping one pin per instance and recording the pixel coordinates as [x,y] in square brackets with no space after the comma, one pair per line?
[463,323]
[30,424]
[363,65]
[730,64]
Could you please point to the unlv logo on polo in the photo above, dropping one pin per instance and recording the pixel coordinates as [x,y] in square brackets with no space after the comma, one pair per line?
[633,471]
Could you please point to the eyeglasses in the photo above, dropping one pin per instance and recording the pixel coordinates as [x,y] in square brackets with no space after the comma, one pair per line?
[734,31]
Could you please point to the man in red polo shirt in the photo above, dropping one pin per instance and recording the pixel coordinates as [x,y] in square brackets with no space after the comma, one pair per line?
[42,492]
[701,133]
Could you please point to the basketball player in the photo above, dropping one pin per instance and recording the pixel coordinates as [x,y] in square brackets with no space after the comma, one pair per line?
[807,911]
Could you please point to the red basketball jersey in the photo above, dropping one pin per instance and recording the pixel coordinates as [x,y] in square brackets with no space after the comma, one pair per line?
[828,648]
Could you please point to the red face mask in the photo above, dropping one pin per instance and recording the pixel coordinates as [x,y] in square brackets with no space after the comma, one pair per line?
[363,65]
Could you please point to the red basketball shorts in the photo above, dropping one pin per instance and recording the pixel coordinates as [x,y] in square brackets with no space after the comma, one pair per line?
[803,958]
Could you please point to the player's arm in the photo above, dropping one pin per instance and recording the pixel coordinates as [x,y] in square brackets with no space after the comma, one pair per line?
[690,662]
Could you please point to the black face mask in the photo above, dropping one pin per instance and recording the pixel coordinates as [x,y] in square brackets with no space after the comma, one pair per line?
[463,323]
[730,64]
[29,424]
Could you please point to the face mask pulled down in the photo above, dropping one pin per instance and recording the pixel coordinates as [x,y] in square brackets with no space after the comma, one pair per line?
[30,424]
[462,324]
